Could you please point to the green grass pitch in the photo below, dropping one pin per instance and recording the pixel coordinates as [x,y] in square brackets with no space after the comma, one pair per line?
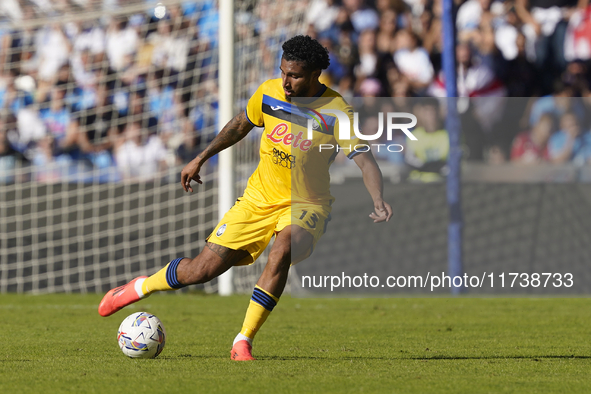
[59,343]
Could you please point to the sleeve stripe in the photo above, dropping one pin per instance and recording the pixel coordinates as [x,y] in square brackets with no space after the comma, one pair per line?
[250,121]
[353,154]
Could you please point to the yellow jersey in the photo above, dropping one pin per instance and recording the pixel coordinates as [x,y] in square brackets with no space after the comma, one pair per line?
[292,167]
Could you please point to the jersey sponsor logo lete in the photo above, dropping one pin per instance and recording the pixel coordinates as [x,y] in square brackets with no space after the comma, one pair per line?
[279,135]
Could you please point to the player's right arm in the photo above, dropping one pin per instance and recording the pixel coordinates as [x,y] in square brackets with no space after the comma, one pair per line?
[234,131]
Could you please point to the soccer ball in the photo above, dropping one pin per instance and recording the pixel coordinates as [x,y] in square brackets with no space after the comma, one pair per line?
[141,335]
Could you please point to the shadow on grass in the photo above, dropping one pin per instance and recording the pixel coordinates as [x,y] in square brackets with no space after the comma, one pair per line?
[432,358]
[534,358]
[194,356]
[15,360]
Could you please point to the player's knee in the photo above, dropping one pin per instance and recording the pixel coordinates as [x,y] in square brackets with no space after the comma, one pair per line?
[301,244]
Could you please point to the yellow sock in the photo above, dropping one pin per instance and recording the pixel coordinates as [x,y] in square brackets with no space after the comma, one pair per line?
[261,305]
[163,280]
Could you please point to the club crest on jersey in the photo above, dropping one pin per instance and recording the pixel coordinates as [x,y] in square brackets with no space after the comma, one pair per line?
[315,120]
[221,230]
[279,135]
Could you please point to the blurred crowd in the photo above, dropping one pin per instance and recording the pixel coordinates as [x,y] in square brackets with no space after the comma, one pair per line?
[137,92]
[522,71]
[129,95]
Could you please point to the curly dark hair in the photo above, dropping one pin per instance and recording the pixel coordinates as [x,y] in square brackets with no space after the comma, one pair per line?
[307,50]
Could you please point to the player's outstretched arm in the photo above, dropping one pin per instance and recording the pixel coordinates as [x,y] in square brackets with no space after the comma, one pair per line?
[372,177]
[234,131]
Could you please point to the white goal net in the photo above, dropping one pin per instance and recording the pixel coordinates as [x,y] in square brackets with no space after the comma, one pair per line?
[101,104]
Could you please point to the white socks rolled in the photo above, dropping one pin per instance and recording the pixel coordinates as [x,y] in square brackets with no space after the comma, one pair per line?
[242,337]
[137,286]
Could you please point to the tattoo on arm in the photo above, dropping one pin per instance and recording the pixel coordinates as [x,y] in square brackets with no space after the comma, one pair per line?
[233,131]
[221,251]
[226,253]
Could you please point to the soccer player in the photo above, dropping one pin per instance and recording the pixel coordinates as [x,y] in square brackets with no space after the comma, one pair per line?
[287,196]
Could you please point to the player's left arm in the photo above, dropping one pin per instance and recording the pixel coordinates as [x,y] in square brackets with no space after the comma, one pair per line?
[372,177]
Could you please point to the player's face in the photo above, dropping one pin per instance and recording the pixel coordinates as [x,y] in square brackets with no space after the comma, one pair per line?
[296,80]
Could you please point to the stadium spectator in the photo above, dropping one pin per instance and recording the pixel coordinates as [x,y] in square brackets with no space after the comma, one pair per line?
[139,111]
[577,76]
[427,156]
[169,49]
[191,145]
[208,22]
[139,158]
[59,123]
[20,47]
[557,104]
[530,147]
[97,131]
[12,9]
[7,89]
[495,155]
[122,43]
[474,78]
[484,42]
[507,28]
[577,44]
[548,19]
[52,50]
[569,144]
[164,102]
[200,67]
[370,87]
[346,50]
[386,37]
[47,166]
[10,158]
[469,17]
[368,55]
[519,72]
[63,80]
[182,35]
[431,36]
[362,17]
[204,116]
[398,84]
[83,69]
[322,14]
[91,37]
[413,61]
[84,95]
[336,70]
[30,128]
